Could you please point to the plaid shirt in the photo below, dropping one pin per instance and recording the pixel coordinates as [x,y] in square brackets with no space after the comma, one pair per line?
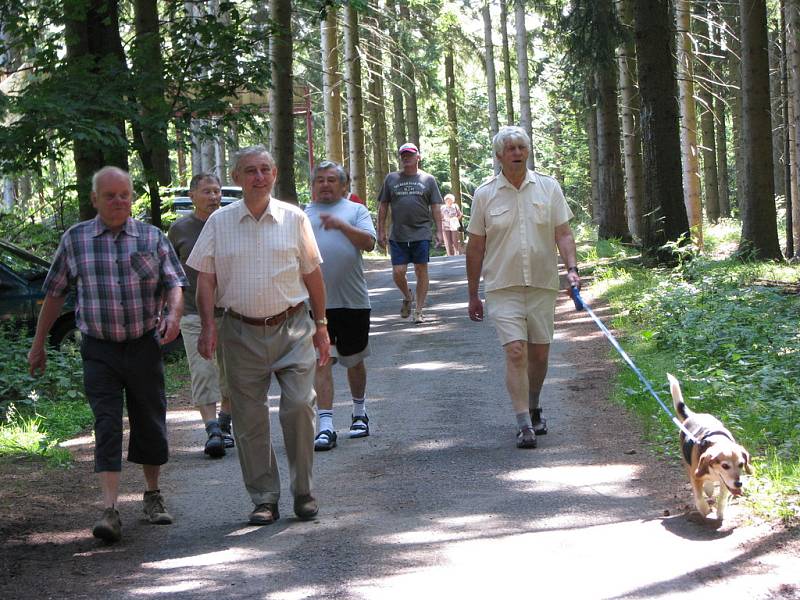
[120,278]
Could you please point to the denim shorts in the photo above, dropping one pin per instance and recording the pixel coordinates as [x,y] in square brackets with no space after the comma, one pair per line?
[403,253]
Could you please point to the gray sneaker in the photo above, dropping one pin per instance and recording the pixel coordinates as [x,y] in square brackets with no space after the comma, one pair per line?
[154,508]
[109,527]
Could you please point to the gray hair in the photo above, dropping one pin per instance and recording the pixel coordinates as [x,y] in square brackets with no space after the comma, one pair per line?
[251,151]
[200,177]
[509,133]
[105,171]
[329,164]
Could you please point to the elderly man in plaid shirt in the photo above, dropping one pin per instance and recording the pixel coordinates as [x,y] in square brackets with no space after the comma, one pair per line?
[123,270]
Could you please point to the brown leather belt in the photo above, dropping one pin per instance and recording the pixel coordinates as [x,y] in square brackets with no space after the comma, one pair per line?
[267,321]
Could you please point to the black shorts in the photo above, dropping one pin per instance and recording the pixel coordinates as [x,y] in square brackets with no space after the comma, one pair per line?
[348,329]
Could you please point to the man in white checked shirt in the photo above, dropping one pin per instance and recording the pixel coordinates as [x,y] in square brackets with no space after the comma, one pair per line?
[258,260]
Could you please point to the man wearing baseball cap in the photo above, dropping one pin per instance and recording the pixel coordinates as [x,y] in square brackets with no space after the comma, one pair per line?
[415,203]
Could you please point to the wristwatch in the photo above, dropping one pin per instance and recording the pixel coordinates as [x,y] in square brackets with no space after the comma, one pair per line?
[322,321]
[573,270]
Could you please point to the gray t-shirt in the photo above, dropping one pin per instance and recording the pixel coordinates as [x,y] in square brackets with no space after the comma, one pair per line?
[342,265]
[183,234]
[411,197]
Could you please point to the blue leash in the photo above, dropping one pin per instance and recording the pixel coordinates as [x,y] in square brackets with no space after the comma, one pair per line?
[581,305]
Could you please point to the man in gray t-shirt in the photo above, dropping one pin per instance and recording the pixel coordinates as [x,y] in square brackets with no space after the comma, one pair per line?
[343,230]
[415,203]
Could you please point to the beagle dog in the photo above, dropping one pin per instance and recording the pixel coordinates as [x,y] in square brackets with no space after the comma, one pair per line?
[712,457]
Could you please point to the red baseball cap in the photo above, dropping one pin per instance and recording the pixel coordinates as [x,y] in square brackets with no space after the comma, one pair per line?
[408,147]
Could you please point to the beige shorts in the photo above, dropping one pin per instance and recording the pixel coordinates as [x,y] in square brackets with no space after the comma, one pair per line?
[522,313]
[208,377]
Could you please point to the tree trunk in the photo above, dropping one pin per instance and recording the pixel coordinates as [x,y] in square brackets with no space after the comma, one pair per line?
[510,120]
[92,37]
[452,123]
[491,81]
[689,160]
[720,110]
[791,197]
[793,56]
[525,120]
[396,81]
[706,107]
[610,219]
[281,99]
[355,109]
[409,81]
[376,108]
[775,51]
[759,220]
[591,134]
[331,87]
[150,136]
[735,99]
[631,130]
[663,209]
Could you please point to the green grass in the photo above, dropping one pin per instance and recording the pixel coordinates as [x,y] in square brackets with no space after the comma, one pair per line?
[731,341]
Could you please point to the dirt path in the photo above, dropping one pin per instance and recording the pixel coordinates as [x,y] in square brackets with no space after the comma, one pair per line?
[436,502]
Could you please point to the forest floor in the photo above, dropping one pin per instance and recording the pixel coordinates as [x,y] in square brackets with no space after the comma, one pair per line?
[437,501]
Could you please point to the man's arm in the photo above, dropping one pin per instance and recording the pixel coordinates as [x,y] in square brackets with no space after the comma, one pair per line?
[383,212]
[316,296]
[566,247]
[206,292]
[476,248]
[436,211]
[37,356]
[360,238]
[170,325]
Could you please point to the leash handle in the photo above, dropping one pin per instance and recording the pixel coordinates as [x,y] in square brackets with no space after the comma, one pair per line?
[576,298]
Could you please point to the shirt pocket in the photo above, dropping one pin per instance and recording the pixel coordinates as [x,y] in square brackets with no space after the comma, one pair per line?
[499,217]
[145,265]
[540,211]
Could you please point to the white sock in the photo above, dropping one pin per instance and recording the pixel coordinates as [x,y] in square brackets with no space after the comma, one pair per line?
[359,407]
[325,420]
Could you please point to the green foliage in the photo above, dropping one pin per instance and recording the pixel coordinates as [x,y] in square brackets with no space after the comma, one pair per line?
[731,341]
[36,413]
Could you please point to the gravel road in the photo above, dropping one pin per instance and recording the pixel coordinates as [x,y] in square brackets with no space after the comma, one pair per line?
[438,501]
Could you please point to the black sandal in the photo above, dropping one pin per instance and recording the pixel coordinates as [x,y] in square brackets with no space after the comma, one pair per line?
[359,427]
[539,424]
[325,440]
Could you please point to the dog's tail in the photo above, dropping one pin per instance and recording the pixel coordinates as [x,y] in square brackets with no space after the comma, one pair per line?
[681,409]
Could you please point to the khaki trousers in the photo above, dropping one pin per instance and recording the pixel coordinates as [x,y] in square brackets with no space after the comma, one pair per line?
[252,354]
[208,384]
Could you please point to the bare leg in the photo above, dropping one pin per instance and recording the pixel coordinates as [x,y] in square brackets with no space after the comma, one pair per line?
[109,484]
[225,405]
[399,276]
[208,412]
[517,375]
[151,473]
[538,355]
[357,378]
[421,271]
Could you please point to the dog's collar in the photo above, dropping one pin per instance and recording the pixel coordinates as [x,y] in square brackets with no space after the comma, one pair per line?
[702,443]
[707,436]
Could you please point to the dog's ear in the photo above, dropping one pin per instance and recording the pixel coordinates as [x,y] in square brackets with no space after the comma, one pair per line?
[703,465]
[747,466]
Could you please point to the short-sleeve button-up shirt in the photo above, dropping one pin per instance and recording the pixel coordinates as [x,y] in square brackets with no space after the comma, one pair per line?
[519,226]
[120,278]
[259,263]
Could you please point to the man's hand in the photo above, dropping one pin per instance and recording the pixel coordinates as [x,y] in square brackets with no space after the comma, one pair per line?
[207,341]
[323,344]
[37,359]
[475,308]
[331,222]
[573,280]
[169,328]
[382,239]
[439,239]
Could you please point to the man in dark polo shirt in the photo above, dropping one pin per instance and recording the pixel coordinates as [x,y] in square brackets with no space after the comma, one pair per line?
[122,270]
[208,384]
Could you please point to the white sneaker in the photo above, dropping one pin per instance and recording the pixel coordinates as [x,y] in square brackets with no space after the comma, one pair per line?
[419,317]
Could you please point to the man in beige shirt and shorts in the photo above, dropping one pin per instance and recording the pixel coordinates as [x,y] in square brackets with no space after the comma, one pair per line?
[258,260]
[518,219]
